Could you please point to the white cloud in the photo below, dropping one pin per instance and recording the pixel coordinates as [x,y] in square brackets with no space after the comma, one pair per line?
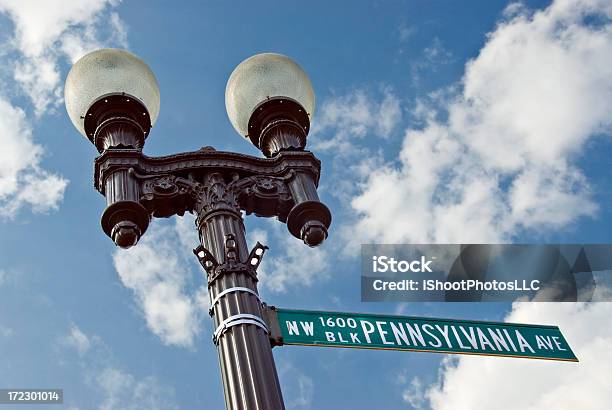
[22,180]
[78,340]
[501,157]
[433,56]
[6,331]
[40,24]
[123,391]
[186,231]
[389,113]
[45,34]
[298,388]
[414,394]
[159,273]
[352,117]
[476,382]
[340,129]
[305,388]
[118,389]
[405,32]
[290,264]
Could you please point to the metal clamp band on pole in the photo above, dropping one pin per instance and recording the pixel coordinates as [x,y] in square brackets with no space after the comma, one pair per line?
[239,319]
[231,290]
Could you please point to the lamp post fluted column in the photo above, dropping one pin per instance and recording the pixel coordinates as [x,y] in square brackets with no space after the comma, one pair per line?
[248,372]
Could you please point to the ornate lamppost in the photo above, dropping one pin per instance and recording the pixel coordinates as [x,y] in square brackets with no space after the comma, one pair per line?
[112,98]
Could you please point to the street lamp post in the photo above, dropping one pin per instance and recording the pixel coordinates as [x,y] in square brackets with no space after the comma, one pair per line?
[112,98]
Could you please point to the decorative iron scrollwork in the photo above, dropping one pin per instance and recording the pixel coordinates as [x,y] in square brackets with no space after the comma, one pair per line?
[214,195]
[166,195]
[264,196]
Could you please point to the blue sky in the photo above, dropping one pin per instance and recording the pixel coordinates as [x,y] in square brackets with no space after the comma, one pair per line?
[436,121]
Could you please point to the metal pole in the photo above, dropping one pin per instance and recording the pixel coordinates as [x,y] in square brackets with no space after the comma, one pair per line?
[250,380]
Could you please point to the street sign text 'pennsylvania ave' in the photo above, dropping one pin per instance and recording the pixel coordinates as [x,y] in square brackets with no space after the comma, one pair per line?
[369,331]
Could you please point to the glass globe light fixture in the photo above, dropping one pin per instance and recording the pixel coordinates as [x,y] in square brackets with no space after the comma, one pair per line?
[269,99]
[112,98]
[111,83]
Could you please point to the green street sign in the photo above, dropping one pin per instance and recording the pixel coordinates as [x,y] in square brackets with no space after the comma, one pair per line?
[368,331]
